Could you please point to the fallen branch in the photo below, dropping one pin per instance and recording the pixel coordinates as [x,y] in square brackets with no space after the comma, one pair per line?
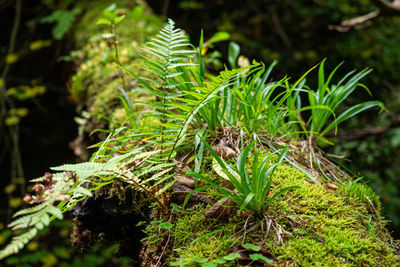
[385,8]
[361,21]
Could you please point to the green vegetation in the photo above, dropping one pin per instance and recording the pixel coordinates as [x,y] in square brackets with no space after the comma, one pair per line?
[300,33]
[161,135]
[312,225]
[251,193]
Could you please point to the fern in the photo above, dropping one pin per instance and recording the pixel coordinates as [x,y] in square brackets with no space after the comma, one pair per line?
[64,189]
[178,107]
[175,110]
[168,50]
[200,97]
[39,216]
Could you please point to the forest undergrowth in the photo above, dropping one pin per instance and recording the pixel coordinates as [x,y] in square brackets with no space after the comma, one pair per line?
[216,169]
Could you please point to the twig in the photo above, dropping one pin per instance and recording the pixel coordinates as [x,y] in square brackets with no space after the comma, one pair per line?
[388,8]
[164,248]
[16,168]
[385,8]
[346,25]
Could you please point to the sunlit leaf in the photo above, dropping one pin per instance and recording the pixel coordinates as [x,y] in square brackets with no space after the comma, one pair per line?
[104,21]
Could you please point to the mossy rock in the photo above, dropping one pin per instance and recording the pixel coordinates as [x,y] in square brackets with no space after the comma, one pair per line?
[318,224]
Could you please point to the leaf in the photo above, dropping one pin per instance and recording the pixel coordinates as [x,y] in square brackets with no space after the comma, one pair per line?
[219,261]
[111,11]
[104,21]
[258,256]
[233,53]
[119,19]
[219,37]
[137,13]
[55,211]
[354,110]
[165,225]
[63,19]
[251,247]
[221,210]
[198,260]
[15,202]
[12,120]
[12,58]
[225,151]
[220,171]
[10,188]
[232,256]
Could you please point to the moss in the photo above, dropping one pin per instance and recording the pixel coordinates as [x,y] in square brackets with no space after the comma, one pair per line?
[197,238]
[321,227]
[94,86]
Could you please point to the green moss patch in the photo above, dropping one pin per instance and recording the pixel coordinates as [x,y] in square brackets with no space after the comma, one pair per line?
[313,225]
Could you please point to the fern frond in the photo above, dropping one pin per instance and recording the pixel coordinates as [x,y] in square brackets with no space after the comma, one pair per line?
[59,187]
[226,78]
[17,243]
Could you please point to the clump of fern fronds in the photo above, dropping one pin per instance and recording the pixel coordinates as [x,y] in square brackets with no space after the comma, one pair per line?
[56,193]
[179,96]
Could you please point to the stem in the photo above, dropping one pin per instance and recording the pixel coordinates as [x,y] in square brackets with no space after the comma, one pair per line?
[121,74]
[16,163]
[11,48]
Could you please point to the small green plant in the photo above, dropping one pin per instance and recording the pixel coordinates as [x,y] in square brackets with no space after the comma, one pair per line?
[112,19]
[251,191]
[179,101]
[327,98]
[254,255]
[155,231]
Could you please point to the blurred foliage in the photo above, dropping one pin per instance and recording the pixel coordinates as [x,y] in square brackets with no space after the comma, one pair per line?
[297,34]
[63,20]
[52,247]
